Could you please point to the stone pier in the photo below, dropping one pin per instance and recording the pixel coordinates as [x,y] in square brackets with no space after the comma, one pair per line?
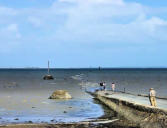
[135,108]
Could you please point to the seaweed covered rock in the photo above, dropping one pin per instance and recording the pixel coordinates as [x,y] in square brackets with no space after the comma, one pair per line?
[60,94]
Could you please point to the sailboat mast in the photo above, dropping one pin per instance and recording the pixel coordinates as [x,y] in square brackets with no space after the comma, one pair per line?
[48,68]
[48,76]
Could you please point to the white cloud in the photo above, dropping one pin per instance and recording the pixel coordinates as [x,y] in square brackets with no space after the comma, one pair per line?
[153,23]
[10,32]
[35,21]
[9,36]
[12,28]
[5,11]
[108,21]
[83,21]
[119,2]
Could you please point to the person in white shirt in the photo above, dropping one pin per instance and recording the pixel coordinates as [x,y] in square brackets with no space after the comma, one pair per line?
[104,86]
[113,87]
[152,95]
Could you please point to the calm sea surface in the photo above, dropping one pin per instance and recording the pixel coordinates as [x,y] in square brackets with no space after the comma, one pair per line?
[24,94]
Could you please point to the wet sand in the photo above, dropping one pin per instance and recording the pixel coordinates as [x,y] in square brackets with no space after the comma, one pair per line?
[109,119]
[71,125]
[25,103]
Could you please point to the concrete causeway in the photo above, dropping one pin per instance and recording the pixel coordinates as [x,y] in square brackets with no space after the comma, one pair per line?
[136,109]
[161,103]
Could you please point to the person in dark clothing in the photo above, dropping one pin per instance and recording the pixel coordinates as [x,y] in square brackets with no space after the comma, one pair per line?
[102,86]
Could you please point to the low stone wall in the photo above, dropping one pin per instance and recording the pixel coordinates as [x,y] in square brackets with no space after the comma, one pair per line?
[143,116]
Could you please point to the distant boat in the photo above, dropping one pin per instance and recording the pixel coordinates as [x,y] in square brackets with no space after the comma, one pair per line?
[48,76]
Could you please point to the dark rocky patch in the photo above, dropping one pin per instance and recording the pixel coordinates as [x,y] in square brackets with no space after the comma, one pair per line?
[30,122]
[48,77]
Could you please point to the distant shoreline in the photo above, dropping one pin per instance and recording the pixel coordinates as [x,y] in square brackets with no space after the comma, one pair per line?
[97,68]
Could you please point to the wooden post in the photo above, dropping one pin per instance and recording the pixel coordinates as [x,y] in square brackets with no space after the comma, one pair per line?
[124,90]
[48,67]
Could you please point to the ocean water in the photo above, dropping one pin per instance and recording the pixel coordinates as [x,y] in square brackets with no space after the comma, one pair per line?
[24,94]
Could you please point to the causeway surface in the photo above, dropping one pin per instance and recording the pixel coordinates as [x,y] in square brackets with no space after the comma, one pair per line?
[136,109]
[161,103]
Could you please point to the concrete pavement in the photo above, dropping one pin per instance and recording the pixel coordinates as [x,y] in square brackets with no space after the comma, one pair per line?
[162,104]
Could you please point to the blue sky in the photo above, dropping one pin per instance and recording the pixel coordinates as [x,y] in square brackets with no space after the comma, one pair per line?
[83,33]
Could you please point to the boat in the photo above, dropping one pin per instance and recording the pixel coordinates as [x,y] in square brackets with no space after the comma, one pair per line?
[48,76]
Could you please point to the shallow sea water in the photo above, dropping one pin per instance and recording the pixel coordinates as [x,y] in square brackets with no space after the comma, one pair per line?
[24,94]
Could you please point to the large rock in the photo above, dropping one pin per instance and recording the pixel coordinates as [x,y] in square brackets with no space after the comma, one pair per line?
[60,94]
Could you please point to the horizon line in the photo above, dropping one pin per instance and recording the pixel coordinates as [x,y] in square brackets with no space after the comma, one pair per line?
[86,68]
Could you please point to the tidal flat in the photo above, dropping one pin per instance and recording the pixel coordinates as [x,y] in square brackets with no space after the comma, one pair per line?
[24,94]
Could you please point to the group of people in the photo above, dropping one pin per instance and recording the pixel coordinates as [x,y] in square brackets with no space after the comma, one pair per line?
[103,86]
[152,92]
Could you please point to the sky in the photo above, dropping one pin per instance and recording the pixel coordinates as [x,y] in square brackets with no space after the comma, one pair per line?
[83,33]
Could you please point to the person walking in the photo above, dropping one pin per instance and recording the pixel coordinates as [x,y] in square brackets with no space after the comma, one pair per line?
[113,87]
[152,95]
[104,86]
[101,86]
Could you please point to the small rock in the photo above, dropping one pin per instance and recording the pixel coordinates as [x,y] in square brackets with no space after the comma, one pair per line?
[65,111]
[33,107]
[30,121]
[70,107]
[16,119]
[52,120]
